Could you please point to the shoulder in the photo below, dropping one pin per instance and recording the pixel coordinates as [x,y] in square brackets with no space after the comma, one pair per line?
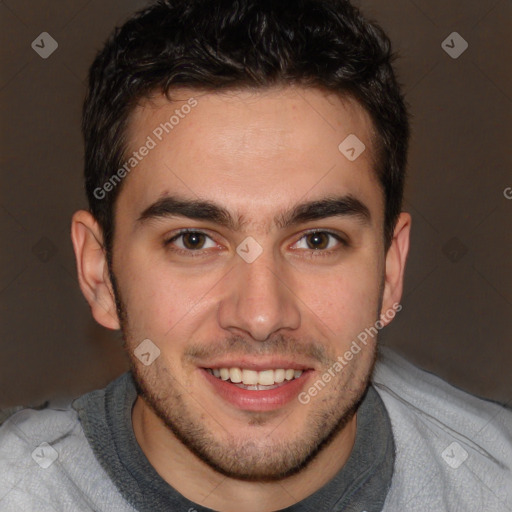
[25,430]
[47,465]
[453,449]
[31,442]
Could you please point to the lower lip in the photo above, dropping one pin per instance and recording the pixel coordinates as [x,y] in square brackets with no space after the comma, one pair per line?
[265,400]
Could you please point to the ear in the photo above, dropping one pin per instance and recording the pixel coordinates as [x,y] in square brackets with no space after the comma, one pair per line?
[92,268]
[395,265]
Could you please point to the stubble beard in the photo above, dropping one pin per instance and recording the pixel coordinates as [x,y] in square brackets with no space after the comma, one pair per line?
[252,458]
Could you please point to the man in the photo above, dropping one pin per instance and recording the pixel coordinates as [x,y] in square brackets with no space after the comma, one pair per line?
[244,165]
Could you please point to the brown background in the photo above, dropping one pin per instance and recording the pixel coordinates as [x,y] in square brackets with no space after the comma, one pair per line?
[456,319]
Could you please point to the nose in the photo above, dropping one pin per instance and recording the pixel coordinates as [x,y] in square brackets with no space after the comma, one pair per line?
[258,300]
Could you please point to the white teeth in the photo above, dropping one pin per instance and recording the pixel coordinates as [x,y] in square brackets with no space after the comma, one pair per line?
[266,378]
[279,376]
[235,375]
[253,379]
[249,377]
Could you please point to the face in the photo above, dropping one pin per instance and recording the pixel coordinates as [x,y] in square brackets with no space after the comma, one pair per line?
[249,251]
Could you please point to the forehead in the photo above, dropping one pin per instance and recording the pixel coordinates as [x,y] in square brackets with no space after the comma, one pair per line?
[249,150]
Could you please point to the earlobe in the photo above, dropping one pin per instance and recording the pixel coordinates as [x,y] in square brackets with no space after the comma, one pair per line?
[92,269]
[396,258]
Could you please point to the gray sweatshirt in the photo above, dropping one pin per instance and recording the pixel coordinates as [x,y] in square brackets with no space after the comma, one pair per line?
[421,445]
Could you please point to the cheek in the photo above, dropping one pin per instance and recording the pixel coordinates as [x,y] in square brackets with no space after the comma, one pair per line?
[346,300]
[161,301]
[165,302]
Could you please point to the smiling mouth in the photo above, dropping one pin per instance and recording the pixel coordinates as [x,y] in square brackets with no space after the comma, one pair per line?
[256,380]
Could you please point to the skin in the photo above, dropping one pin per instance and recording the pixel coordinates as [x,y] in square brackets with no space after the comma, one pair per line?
[257,154]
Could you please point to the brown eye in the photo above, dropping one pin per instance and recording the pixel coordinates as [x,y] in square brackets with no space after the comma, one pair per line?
[321,242]
[317,240]
[193,240]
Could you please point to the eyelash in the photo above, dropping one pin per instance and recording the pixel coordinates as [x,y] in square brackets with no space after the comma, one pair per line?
[189,253]
[316,253]
[311,253]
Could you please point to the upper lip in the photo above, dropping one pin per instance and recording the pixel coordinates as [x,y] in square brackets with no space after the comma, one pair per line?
[260,365]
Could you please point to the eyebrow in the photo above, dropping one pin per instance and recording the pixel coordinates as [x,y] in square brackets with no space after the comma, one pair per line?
[338,206]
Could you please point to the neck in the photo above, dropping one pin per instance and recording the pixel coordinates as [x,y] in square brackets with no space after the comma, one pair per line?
[198,482]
